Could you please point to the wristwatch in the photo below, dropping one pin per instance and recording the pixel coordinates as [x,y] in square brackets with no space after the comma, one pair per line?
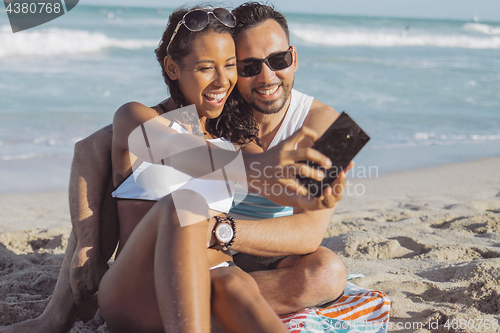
[225,232]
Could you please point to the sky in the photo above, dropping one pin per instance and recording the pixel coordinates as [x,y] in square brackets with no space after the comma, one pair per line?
[484,10]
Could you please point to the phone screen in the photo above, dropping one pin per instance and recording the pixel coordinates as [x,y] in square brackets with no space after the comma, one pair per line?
[341,142]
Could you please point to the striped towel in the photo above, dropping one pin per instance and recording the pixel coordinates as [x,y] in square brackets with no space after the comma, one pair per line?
[359,310]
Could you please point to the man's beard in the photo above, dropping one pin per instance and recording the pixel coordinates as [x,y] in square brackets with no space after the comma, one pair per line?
[272,107]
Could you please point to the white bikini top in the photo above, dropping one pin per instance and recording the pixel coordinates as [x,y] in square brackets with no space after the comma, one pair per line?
[218,194]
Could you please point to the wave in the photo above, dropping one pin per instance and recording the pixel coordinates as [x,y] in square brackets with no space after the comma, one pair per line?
[41,146]
[483,28]
[338,37]
[55,41]
[29,156]
[32,156]
[433,139]
[423,138]
[21,157]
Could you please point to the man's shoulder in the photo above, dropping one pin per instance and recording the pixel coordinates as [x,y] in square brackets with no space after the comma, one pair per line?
[318,111]
[320,117]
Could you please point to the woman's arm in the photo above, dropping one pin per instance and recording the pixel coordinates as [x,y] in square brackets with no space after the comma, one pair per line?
[139,130]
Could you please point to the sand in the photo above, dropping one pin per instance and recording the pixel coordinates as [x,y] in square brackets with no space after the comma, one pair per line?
[428,238]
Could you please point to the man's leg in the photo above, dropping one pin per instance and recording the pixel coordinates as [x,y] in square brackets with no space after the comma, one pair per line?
[303,281]
[238,305]
[89,174]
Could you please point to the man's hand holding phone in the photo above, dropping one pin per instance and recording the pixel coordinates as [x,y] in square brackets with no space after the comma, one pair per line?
[340,143]
[331,194]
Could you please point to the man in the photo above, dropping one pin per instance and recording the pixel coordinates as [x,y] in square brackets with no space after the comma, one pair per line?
[260,33]
[301,274]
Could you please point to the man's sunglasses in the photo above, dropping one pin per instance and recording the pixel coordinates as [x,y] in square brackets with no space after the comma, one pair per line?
[276,62]
[197,19]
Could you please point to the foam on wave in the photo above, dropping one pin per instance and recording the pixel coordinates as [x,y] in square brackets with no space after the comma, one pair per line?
[22,157]
[62,41]
[331,36]
[483,28]
[41,146]
[424,138]
[433,139]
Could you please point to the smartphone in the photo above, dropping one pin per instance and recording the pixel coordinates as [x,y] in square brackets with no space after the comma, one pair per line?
[340,143]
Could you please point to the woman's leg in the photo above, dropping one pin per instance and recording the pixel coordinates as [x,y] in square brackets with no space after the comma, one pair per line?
[181,271]
[160,281]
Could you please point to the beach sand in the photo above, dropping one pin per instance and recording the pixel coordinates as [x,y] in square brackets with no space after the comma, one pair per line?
[430,239]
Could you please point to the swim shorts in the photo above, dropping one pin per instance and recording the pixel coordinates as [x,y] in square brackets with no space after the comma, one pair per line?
[250,263]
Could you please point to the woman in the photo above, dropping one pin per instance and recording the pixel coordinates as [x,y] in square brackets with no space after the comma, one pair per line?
[161,280]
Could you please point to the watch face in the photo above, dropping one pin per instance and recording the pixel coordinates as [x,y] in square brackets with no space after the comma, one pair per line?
[224,232]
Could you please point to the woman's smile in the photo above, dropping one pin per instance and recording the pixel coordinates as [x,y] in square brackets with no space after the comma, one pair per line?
[208,74]
[216,98]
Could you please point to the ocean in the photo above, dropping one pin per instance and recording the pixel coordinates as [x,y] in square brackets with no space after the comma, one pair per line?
[426,91]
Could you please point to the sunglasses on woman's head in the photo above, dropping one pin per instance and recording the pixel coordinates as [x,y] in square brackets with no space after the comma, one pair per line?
[276,62]
[197,19]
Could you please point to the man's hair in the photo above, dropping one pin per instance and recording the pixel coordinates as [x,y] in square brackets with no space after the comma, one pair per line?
[251,14]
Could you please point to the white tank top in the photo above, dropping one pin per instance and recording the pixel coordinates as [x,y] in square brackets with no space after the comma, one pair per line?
[294,117]
[255,205]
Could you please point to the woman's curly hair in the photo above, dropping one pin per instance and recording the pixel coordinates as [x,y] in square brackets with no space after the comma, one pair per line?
[236,122]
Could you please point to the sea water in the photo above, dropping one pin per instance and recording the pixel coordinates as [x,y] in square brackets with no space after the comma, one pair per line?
[426,91]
